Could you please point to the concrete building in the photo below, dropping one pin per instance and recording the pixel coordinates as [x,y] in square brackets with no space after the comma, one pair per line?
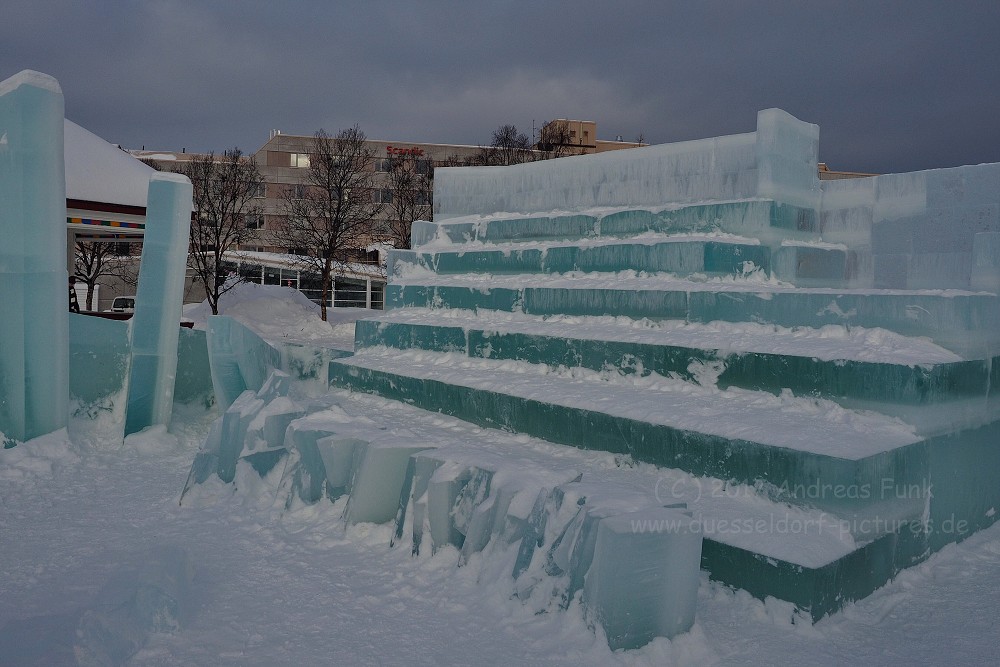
[578,137]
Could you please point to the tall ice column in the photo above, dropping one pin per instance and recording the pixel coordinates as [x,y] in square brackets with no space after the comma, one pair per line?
[34,303]
[158,301]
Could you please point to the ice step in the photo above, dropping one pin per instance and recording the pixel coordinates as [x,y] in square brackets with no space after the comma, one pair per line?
[856,365]
[682,255]
[803,555]
[967,323]
[806,556]
[789,444]
[759,218]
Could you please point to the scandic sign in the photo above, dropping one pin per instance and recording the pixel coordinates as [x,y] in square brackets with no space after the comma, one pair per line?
[392,150]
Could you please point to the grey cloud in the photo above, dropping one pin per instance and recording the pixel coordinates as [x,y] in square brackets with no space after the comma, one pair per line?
[894,86]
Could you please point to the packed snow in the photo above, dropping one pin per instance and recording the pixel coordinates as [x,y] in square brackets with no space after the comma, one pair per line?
[282,314]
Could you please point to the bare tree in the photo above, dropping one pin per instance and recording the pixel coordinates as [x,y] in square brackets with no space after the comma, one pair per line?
[94,260]
[509,146]
[410,180]
[226,214]
[555,140]
[333,212]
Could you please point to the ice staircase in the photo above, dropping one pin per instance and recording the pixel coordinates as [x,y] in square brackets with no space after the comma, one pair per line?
[720,333]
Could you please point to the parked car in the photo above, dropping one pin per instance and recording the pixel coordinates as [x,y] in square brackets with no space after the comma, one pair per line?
[123,304]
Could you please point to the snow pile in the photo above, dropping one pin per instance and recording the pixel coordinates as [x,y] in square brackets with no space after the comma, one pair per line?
[278,313]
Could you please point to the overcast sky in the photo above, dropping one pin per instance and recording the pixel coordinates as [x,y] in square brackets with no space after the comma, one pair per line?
[894,86]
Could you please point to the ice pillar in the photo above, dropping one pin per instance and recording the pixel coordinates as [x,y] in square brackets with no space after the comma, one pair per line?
[158,301]
[34,307]
[787,152]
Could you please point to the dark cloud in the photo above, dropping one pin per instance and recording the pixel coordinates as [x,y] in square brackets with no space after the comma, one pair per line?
[894,86]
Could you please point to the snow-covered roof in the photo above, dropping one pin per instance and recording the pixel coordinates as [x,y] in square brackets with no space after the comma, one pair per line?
[101,172]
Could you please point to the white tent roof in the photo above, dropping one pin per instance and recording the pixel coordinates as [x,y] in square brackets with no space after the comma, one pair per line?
[101,172]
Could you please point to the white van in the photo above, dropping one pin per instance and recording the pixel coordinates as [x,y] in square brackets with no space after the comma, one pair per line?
[123,304]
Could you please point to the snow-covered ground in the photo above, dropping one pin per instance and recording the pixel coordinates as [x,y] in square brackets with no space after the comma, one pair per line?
[300,588]
[79,512]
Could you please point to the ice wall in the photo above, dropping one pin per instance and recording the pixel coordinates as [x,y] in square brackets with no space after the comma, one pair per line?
[194,375]
[777,161]
[240,359]
[34,352]
[718,168]
[99,364]
[156,322]
[920,230]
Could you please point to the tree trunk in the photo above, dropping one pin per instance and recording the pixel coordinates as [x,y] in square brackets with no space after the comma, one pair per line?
[90,295]
[327,278]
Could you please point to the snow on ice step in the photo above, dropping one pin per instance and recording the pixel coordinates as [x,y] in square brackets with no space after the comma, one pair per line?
[965,322]
[685,255]
[855,366]
[789,443]
[757,218]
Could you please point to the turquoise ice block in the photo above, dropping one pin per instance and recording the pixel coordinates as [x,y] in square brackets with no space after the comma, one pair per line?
[159,296]
[34,323]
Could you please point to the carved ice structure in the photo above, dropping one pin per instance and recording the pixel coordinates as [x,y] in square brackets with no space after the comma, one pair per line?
[39,368]
[810,364]
[713,306]
[159,296]
[34,358]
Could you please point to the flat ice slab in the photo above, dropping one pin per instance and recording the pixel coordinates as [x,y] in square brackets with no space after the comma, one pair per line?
[829,343]
[800,424]
[630,280]
[644,238]
[724,509]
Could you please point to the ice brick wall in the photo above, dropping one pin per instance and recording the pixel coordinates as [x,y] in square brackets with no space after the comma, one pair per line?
[919,230]
[776,161]
[719,168]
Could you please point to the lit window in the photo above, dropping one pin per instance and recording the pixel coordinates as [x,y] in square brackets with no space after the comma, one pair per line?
[300,160]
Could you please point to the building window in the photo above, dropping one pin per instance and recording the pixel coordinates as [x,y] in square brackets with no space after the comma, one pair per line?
[254,221]
[300,160]
[382,165]
[383,196]
[261,191]
[297,191]
[122,249]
